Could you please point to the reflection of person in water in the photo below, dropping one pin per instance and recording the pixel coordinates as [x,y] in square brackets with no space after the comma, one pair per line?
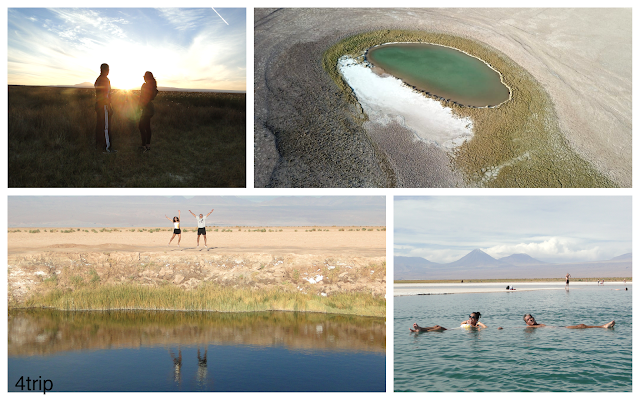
[201,374]
[103,109]
[148,92]
[177,365]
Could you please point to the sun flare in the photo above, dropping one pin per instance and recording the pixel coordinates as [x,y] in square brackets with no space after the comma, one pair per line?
[127,80]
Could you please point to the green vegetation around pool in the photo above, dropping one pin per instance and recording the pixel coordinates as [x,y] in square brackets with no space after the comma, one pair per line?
[518,144]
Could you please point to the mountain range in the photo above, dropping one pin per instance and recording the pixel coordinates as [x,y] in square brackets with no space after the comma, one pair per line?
[479,265]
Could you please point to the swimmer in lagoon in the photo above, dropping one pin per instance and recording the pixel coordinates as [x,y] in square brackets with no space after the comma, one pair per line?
[435,328]
[473,321]
[531,323]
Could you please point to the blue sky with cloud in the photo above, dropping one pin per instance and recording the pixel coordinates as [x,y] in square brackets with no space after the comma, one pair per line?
[184,48]
[552,229]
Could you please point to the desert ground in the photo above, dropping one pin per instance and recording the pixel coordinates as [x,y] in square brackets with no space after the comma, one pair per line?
[306,134]
[313,260]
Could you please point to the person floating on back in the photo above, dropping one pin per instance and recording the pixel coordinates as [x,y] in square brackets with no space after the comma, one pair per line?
[103,110]
[472,322]
[531,323]
[202,224]
[148,92]
[435,328]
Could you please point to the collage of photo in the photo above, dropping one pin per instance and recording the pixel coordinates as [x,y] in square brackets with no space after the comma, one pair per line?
[328,198]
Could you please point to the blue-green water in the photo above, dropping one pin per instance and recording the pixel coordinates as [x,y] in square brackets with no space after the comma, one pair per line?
[441,71]
[515,358]
[166,351]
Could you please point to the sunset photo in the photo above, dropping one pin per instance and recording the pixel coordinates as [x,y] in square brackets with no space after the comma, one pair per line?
[127,97]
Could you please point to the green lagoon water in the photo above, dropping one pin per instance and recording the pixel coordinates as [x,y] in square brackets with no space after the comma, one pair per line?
[441,71]
[515,358]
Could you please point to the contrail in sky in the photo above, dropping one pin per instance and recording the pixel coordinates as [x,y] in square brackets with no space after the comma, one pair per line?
[219,15]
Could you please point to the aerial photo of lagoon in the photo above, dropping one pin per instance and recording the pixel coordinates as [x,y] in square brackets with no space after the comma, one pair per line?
[512,294]
[229,294]
[437,97]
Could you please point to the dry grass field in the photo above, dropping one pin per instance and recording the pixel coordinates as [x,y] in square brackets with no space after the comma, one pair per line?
[198,140]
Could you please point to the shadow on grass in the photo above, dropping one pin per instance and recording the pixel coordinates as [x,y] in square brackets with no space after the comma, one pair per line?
[198,140]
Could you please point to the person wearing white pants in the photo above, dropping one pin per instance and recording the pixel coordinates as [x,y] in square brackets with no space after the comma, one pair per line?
[103,109]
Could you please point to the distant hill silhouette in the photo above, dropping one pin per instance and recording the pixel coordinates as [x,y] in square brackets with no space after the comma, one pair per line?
[479,265]
[521,259]
[477,258]
[624,257]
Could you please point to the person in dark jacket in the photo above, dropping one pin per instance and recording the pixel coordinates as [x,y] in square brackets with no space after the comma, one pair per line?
[103,109]
[148,92]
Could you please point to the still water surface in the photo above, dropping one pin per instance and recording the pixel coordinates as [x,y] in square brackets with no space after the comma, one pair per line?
[515,358]
[441,71]
[165,351]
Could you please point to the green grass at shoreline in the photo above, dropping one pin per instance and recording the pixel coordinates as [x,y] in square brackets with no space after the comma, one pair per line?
[522,280]
[207,297]
[518,144]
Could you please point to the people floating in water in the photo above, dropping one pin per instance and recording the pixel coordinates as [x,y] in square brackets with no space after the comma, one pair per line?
[473,322]
[531,323]
[435,328]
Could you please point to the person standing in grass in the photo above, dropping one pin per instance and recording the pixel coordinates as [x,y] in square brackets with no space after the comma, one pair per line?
[103,109]
[202,230]
[176,228]
[148,92]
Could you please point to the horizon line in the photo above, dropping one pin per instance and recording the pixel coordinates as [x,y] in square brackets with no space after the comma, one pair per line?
[175,89]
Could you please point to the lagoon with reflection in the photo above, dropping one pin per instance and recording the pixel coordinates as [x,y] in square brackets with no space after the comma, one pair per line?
[196,351]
